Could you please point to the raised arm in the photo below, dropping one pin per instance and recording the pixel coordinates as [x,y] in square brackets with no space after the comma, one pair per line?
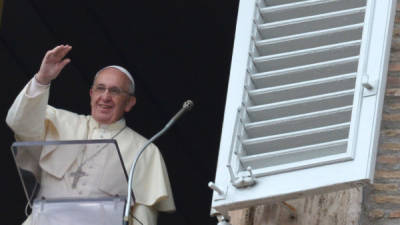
[26,117]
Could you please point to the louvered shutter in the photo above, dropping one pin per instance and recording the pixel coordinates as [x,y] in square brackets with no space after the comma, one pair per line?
[304,99]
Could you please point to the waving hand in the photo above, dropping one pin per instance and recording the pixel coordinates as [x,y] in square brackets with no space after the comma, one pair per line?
[52,64]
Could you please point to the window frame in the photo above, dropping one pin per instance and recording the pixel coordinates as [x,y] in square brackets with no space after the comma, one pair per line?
[352,168]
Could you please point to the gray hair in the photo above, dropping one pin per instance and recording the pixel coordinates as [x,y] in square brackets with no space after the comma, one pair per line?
[124,71]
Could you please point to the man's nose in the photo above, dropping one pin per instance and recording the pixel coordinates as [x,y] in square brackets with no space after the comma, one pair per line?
[107,94]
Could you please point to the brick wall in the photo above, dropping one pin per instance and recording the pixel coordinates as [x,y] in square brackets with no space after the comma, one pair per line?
[381,201]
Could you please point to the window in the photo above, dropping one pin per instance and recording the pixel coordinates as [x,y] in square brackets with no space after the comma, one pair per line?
[304,100]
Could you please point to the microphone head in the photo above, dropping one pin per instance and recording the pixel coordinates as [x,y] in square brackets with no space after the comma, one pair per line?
[188,105]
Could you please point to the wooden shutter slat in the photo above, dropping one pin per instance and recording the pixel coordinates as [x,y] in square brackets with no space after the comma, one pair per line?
[333,155]
[308,56]
[295,139]
[312,23]
[305,72]
[309,40]
[307,8]
[300,106]
[298,122]
[303,89]
[294,154]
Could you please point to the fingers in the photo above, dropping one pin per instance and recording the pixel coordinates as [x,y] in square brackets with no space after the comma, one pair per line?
[62,51]
[58,53]
[64,63]
[53,63]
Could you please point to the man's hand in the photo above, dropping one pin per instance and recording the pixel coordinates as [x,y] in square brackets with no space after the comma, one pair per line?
[52,64]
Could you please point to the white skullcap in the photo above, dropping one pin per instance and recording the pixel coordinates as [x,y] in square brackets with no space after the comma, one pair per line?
[124,71]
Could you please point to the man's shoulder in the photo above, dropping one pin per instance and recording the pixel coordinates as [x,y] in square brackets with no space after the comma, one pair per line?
[137,138]
[135,135]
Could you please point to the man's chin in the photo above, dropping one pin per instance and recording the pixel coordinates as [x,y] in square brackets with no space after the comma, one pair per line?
[104,119]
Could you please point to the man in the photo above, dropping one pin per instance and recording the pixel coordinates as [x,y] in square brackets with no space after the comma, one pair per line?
[32,119]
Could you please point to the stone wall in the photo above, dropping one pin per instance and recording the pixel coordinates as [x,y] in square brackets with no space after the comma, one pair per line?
[337,208]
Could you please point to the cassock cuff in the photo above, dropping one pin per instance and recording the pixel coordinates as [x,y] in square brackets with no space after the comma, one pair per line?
[35,88]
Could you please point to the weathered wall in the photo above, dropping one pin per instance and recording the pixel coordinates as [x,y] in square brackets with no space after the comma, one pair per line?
[377,204]
[338,208]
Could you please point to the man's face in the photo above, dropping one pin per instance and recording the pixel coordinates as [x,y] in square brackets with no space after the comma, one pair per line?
[108,107]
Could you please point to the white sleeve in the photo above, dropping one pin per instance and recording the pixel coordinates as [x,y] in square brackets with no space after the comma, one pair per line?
[26,116]
[35,88]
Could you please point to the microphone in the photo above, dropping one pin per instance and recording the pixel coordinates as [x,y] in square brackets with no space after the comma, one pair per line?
[187,106]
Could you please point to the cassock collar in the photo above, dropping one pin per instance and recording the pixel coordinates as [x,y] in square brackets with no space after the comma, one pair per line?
[118,125]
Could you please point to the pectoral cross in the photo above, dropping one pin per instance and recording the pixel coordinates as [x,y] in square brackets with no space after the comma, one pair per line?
[77,175]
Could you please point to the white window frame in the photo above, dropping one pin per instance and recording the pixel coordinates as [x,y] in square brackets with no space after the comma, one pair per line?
[354,167]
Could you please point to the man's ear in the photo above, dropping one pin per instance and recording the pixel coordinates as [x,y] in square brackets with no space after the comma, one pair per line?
[130,104]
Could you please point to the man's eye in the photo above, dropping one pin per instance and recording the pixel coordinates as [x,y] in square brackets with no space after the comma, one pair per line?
[114,91]
[101,88]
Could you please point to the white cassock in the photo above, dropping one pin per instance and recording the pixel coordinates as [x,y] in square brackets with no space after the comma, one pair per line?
[32,119]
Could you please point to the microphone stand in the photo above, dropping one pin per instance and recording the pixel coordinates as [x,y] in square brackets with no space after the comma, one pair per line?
[187,105]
